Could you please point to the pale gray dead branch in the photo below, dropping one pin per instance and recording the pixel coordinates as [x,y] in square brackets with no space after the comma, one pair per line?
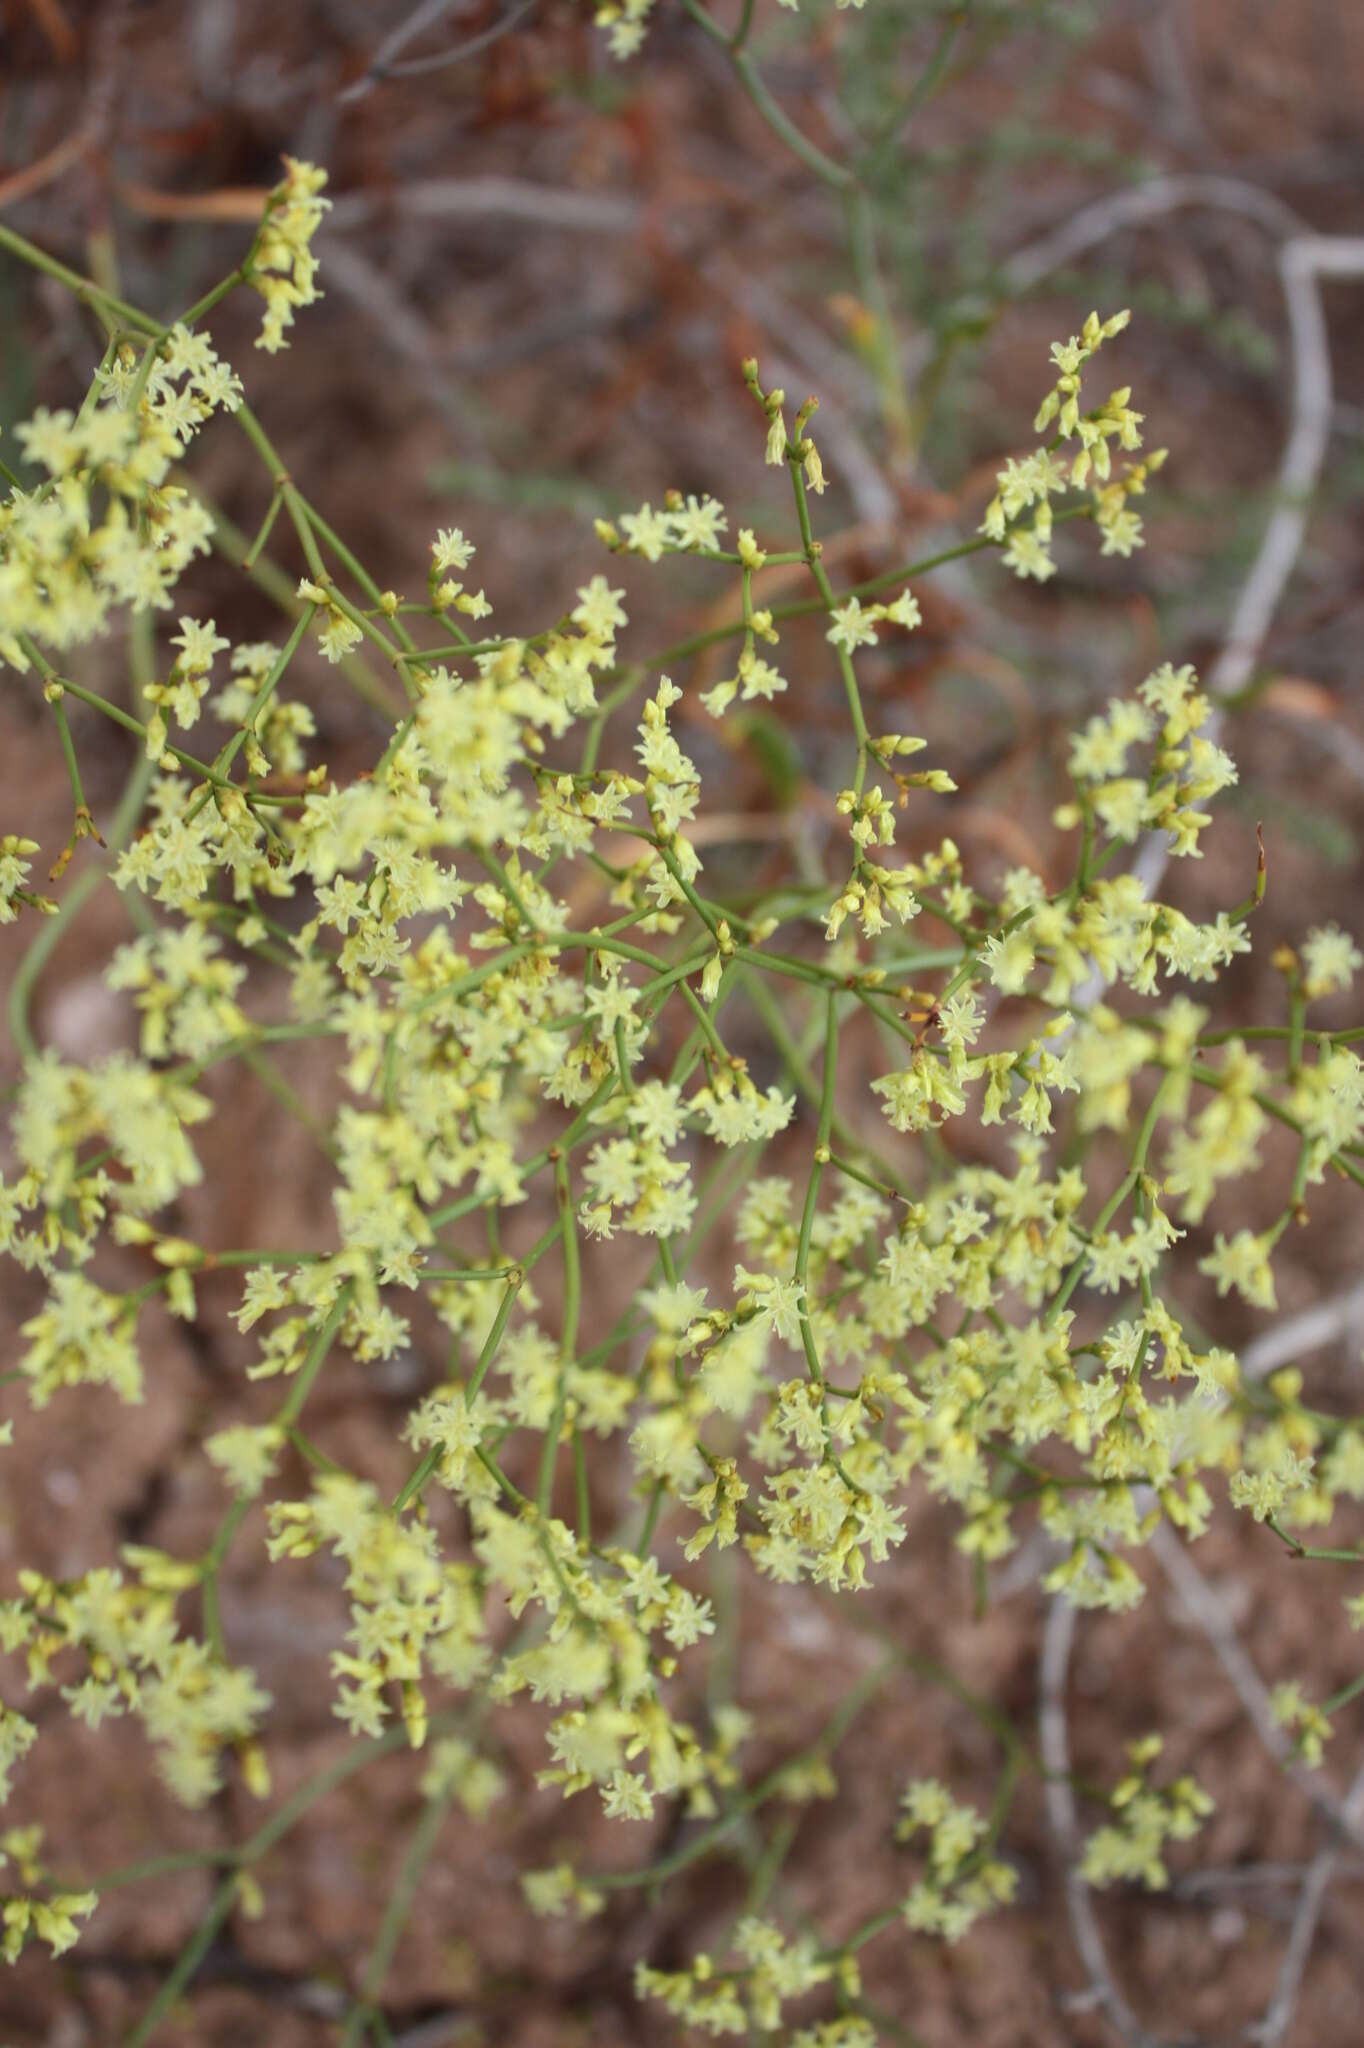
[421,18]
[1054,1736]
[1346,1816]
[1165,39]
[1339,1316]
[1249,1877]
[1272,2029]
[1138,204]
[492,197]
[1203,1605]
[441,60]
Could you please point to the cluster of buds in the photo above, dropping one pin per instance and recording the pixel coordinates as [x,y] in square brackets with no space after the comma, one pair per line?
[283,268]
[14,866]
[799,447]
[450,550]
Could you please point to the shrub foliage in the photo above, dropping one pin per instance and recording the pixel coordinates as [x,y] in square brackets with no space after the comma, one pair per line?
[799,1323]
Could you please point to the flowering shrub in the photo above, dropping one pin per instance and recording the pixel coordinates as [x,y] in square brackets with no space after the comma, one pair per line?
[820,1322]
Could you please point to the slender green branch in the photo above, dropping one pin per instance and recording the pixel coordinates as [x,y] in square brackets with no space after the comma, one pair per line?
[420,1849]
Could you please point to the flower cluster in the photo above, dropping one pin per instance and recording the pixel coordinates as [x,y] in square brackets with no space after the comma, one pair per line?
[773,1970]
[15,868]
[962,1880]
[597,1124]
[1130,1849]
[119,1640]
[282,266]
[1029,485]
[24,1916]
[106,527]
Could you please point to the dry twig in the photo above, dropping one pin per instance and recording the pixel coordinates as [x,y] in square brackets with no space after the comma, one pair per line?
[1054,1735]
[1304,259]
[1339,1316]
[1278,2018]
[1312,1330]
[1210,1613]
[491,198]
[421,18]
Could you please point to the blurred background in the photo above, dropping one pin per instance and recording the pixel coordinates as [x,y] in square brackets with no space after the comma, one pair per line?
[541,272]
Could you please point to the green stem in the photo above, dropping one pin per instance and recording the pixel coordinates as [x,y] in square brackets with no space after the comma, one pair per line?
[1344,1696]
[568,1338]
[807,1220]
[416,1480]
[755,1795]
[82,288]
[1113,1204]
[1311,1551]
[186,1963]
[420,1850]
[50,933]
